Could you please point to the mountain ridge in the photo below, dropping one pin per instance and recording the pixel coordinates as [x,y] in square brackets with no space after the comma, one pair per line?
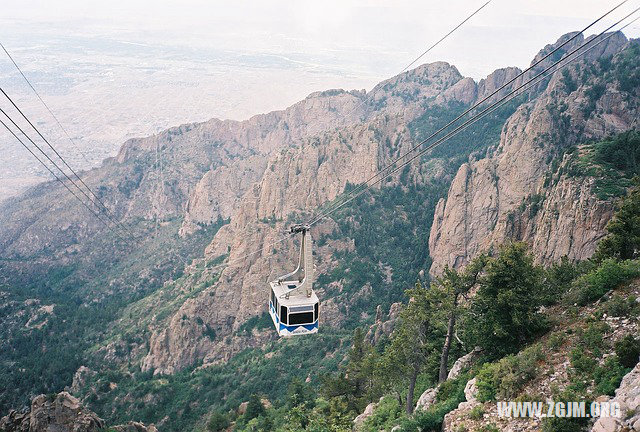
[221,189]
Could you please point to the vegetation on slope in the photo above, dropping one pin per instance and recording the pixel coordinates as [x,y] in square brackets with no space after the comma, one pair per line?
[612,162]
[43,359]
[395,370]
[389,228]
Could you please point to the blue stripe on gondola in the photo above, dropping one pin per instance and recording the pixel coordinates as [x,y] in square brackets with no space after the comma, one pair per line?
[308,327]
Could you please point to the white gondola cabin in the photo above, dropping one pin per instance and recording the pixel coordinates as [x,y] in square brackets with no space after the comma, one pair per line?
[293,305]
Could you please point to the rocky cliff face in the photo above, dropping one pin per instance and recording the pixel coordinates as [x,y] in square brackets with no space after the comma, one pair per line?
[263,173]
[195,171]
[61,413]
[490,199]
[296,180]
[481,209]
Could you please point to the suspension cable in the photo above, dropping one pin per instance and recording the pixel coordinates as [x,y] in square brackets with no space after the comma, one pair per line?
[572,56]
[471,121]
[428,50]
[59,179]
[466,124]
[44,103]
[452,122]
[95,200]
[48,158]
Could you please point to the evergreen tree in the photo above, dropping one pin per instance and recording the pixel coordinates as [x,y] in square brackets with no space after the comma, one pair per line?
[299,393]
[414,344]
[623,241]
[503,315]
[218,422]
[446,291]
[254,407]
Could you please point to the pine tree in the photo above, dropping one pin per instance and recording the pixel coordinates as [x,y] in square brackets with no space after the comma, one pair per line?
[504,313]
[623,241]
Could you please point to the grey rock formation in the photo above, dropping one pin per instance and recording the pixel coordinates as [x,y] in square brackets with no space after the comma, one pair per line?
[471,390]
[61,413]
[426,399]
[484,204]
[368,412]
[383,326]
[463,363]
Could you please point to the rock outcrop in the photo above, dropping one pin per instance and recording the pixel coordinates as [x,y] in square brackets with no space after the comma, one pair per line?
[463,363]
[383,327]
[360,419]
[296,180]
[426,399]
[484,206]
[61,413]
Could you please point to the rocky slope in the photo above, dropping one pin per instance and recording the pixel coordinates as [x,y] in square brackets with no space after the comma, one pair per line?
[490,199]
[256,177]
[297,180]
[479,211]
[556,369]
[62,413]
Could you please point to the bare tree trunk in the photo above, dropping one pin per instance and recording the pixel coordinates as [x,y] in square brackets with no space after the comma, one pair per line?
[412,387]
[444,358]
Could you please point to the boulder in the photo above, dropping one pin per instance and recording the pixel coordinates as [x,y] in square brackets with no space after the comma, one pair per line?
[62,413]
[80,379]
[463,363]
[133,427]
[426,399]
[15,422]
[242,408]
[471,390]
[368,412]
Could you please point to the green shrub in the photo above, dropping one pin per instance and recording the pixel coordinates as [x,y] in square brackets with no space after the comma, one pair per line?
[506,378]
[254,407]
[450,394]
[476,413]
[564,424]
[628,351]
[556,340]
[608,377]
[593,337]
[557,280]
[453,388]
[567,424]
[431,419]
[619,306]
[570,83]
[582,363]
[218,422]
[385,415]
[607,276]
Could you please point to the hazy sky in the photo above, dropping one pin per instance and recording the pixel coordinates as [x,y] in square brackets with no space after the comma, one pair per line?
[116,69]
[380,36]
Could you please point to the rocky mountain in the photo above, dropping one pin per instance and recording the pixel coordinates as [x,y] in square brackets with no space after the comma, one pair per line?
[518,191]
[471,221]
[161,312]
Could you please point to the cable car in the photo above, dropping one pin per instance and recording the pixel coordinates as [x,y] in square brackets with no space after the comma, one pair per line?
[293,305]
